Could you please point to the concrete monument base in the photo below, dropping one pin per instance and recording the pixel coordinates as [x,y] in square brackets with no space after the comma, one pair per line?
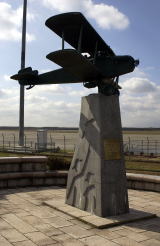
[97,179]
[96,221]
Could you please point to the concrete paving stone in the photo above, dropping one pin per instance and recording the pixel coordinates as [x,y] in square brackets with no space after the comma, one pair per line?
[115,228]
[57,203]
[22,214]
[13,198]
[135,226]
[42,213]
[24,195]
[35,202]
[32,220]
[4,225]
[3,211]
[9,206]
[138,237]
[4,201]
[144,232]
[57,222]
[81,224]
[28,206]
[73,242]
[24,243]
[151,242]
[150,225]
[106,233]
[4,242]
[97,240]
[151,235]
[61,214]
[48,230]
[13,235]
[126,242]
[18,223]
[40,238]
[62,238]
[153,227]
[15,210]
[77,231]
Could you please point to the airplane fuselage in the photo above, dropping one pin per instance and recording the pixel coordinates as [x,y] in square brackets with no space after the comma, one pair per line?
[114,66]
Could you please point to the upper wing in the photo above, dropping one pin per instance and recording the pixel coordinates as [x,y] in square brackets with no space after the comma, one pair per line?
[76,64]
[69,25]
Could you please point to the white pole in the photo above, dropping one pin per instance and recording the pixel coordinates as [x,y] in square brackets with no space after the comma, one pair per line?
[21,107]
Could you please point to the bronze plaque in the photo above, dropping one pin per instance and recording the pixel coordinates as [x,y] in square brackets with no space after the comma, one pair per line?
[112,149]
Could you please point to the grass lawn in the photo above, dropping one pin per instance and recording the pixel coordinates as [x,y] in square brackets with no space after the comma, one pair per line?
[143,167]
[5,154]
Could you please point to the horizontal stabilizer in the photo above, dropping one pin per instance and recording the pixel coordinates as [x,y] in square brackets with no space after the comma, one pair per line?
[76,64]
[26,74]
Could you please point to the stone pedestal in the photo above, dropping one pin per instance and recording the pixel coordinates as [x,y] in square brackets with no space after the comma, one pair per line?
[97,178]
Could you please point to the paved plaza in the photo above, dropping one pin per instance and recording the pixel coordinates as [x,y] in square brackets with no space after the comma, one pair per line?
[26,221]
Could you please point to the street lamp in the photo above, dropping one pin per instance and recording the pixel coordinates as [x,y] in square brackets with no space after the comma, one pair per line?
[21,106]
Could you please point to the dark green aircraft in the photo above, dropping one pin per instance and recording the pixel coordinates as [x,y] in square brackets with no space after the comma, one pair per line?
[91,61]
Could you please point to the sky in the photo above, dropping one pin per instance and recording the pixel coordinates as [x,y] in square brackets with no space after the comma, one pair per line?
[128,27]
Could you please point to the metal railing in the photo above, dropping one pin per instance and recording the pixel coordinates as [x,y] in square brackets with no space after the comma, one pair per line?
[147,147]
[9,142]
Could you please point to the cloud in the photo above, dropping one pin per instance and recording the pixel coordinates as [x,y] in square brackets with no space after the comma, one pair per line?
[139,102]
[10,23]
[6,77]
[50,89]
[138,85]
[59,105]
[81,93]
[106,16]
[2,94]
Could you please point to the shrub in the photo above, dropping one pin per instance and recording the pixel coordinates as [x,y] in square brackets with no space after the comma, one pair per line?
[57,163]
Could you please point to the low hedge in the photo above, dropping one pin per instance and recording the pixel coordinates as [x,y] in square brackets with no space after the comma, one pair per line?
[58,163]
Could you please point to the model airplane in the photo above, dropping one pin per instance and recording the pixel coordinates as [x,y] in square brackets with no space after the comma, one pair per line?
[91,61]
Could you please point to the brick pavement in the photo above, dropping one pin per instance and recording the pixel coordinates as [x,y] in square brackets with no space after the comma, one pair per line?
[26,221]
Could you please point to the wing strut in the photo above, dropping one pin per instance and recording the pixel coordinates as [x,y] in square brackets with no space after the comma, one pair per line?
[95,53]
[62,40]
[80,39]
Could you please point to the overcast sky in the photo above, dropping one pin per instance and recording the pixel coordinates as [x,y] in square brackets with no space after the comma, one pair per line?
[129,27]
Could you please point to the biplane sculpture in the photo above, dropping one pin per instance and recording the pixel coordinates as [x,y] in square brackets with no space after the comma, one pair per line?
[100,67]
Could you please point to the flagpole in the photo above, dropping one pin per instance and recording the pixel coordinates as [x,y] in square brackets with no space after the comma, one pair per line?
[21,105]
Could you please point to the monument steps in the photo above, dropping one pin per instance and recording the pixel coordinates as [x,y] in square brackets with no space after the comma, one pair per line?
[33,171]
[28,171]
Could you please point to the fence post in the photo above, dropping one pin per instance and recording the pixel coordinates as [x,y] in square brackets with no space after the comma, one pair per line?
[142,146]
[35,147]
[51,142]
[25,141]
[64,144]
[129,146]
[3,140]
[156,147]
[147,146]
[14,142]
